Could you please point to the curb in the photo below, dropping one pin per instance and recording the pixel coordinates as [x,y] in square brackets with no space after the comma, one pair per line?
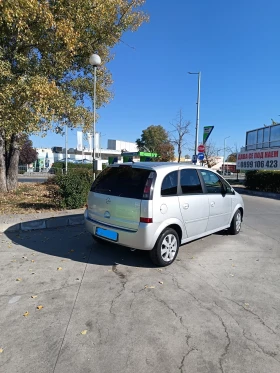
[53,222]
[255,193]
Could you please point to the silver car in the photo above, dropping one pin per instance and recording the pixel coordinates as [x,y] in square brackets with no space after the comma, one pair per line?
[160,206]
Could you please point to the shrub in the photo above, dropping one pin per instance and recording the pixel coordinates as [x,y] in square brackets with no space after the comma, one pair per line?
[58,168]
[266,181]
[70,191]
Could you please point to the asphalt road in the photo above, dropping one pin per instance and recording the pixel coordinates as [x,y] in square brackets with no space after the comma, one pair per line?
[107,309]
[30,179]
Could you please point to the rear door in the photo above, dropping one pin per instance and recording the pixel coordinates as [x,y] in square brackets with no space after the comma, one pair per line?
[219,201]
[193,202]
[115,196]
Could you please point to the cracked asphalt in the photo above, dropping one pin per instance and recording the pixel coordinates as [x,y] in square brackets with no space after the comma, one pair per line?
[216,309]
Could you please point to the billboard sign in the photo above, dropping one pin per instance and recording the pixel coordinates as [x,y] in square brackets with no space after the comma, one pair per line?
[261,159]
[207,132]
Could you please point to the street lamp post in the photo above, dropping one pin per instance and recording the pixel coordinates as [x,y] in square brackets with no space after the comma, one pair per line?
[197,111]
[95,61]
[224,154]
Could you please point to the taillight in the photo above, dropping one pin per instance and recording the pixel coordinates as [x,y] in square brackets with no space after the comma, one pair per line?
[149,186]
[146,220]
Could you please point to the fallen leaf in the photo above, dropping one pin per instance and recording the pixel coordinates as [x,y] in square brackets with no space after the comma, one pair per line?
[160,282]
[33,261]
[34,296]
[84,332]
[159,269]
[18,279]
[1,350]
[39,307]
[26,313]
[233,265]
[149,287]
[246,304]
[59,268]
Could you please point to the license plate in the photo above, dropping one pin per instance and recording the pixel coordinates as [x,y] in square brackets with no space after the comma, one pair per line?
[110,235]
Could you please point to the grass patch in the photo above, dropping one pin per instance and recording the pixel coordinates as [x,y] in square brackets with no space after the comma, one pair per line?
[28,198]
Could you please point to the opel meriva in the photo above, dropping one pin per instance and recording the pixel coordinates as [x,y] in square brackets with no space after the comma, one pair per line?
[160,206]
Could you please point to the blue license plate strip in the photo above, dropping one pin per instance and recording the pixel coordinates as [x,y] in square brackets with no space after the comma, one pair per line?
[110,235]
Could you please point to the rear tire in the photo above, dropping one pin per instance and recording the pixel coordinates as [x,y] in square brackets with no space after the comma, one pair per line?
[236,222]
[166,248]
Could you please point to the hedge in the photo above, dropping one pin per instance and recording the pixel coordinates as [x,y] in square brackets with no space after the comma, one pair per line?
[70,190]
[266,181]
[59,167]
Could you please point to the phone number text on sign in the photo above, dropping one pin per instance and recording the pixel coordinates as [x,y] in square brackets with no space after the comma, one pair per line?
[259,160]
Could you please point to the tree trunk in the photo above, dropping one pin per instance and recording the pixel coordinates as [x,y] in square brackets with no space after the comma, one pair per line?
[12,164]
[3,185]
[179,155]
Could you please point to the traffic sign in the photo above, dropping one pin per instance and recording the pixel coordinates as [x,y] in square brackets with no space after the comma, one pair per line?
[200,156]
[201,148]
[194,158]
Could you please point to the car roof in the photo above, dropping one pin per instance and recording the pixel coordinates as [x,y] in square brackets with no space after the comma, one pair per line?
[159,165]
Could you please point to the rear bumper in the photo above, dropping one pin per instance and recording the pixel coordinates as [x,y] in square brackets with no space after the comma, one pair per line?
[143,239]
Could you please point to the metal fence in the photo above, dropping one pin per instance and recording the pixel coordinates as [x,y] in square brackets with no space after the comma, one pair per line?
[46,172]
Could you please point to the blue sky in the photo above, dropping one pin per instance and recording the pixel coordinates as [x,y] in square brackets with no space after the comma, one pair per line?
[235,45]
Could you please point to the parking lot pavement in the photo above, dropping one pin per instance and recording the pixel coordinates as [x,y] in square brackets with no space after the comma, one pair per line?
[107,309]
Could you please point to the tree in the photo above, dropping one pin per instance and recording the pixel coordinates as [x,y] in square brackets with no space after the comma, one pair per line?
[45,75]
[27,154]
[166,152]
[154,139]
[181,129]
[211,152]
[231,157]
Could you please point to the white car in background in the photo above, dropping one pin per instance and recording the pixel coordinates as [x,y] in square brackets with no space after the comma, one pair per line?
[160,206]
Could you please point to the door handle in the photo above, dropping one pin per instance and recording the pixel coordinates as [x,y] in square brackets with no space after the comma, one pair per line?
[186,206]
[212,204]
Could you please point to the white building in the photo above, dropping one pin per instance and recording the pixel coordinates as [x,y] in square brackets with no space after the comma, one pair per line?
[56,153]
[122,145]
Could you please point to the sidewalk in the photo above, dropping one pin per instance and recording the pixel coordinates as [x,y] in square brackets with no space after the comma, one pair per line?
[242,190]
[26,222]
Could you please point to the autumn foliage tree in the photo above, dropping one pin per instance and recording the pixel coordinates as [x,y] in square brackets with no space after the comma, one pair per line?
[27,154]
[155,139]
[45,75]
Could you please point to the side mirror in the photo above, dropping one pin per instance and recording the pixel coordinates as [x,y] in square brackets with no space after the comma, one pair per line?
[223,190]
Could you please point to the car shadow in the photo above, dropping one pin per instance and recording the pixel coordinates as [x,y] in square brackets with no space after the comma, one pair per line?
[75,243]
[224,232]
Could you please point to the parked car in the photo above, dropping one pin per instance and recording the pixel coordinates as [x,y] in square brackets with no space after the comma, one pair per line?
[160,206]
[84,161]
[69,160]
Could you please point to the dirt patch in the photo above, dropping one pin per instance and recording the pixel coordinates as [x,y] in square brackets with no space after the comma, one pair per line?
[28,198]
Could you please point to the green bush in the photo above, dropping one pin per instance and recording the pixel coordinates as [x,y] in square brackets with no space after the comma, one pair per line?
[58,168]
[266,181]
[70,191]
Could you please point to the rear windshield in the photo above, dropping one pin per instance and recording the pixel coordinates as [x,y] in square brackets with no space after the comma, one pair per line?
[123,181]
